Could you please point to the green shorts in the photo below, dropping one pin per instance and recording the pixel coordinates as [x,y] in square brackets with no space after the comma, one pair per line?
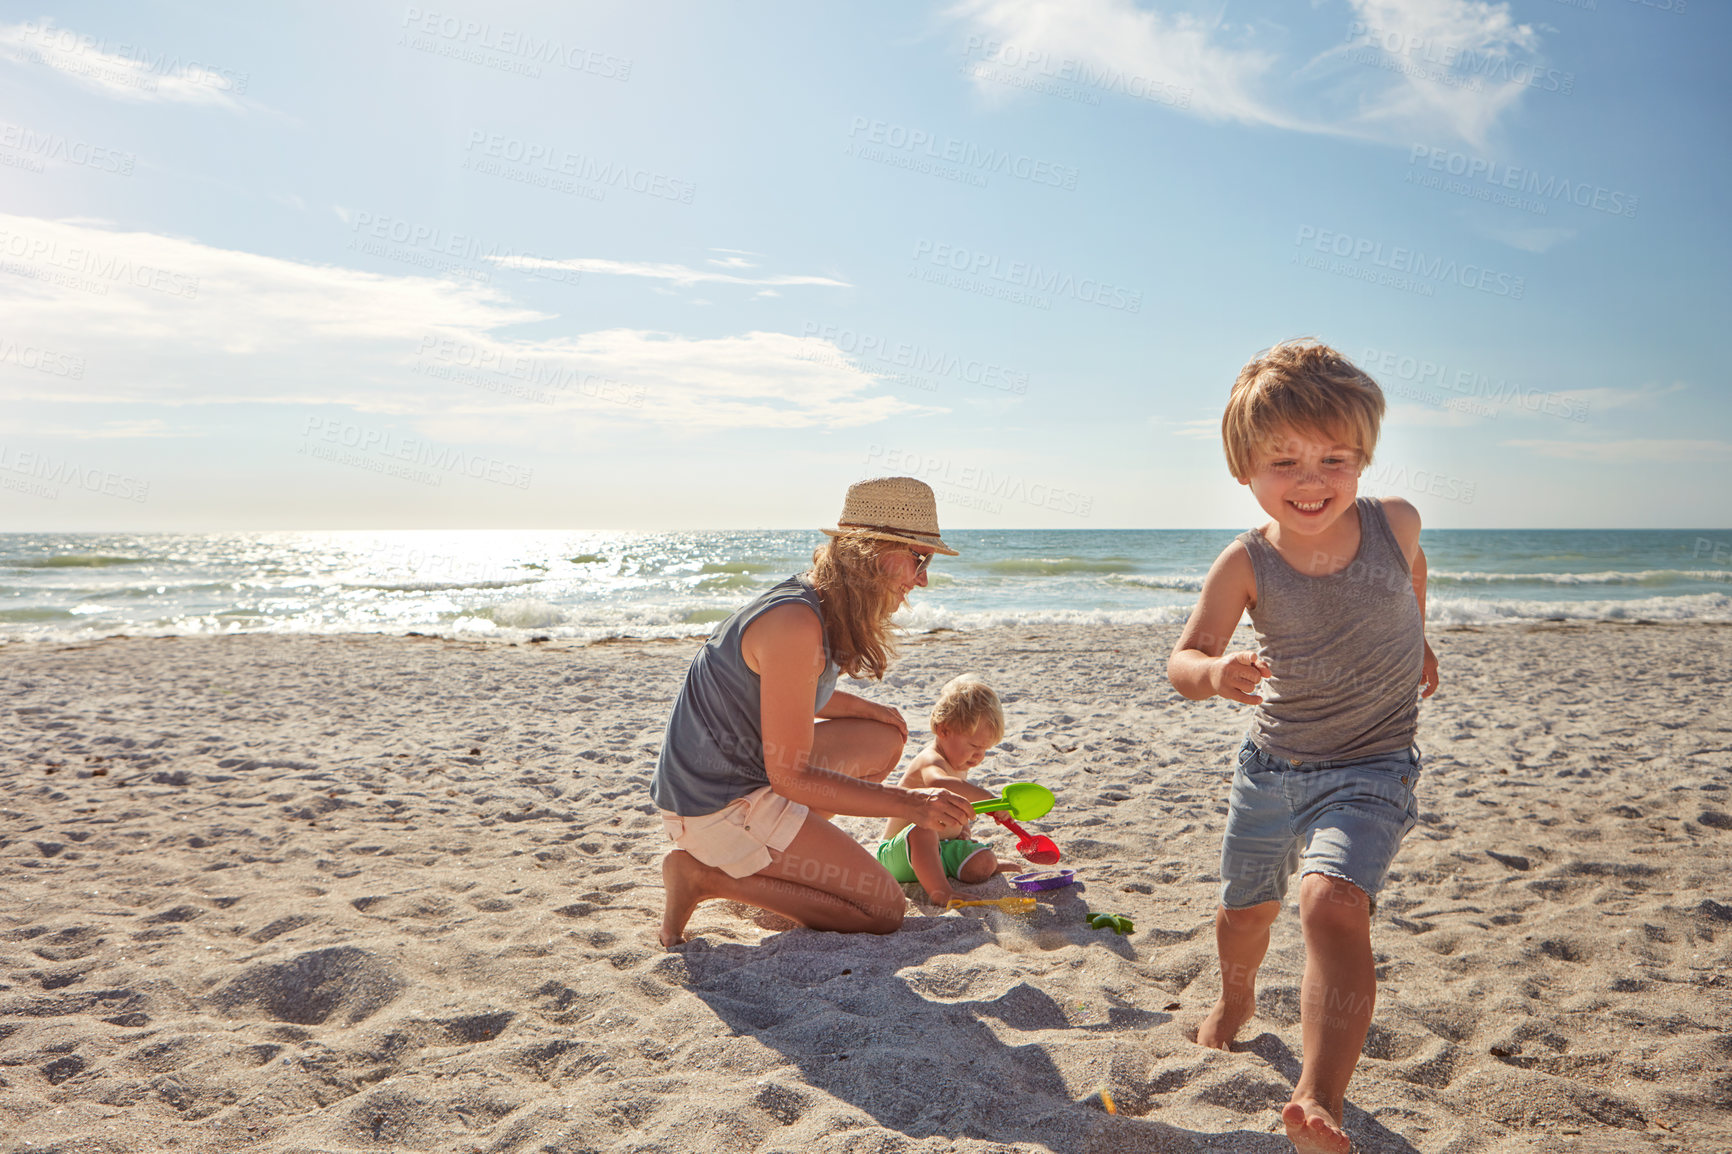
[893,855]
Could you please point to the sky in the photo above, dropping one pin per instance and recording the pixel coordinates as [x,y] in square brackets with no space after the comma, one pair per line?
[703,265]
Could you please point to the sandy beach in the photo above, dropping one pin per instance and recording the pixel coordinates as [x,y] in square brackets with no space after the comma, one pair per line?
[362,893]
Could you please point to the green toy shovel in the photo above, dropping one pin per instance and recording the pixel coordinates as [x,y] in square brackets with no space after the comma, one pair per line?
[1025,800]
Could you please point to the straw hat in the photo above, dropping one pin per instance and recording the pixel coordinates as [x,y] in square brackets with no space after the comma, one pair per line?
[893,509]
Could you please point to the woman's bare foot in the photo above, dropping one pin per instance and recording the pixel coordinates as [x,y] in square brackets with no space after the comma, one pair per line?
[1312,1129]
[683,880]
[1224,1022]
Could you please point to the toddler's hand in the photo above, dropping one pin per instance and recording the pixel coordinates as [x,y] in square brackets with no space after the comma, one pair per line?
[1235,675]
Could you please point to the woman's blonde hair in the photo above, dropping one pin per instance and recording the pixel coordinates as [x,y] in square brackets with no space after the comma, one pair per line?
[857,598]
[1303,385]
[964,703]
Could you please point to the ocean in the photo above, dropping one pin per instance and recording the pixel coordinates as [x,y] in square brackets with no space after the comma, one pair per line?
[513,585]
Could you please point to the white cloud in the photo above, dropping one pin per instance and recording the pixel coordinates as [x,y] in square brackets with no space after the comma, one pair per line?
[1534,402]
[1632,451]
[1606,398]
[1206,429]
[168,320]
[125,71]
[1135,46]
[1454,65]
[107,430]
[1530,238]
[678,274]
[1402,70]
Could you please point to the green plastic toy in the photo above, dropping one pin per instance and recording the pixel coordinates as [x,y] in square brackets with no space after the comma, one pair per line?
[1026,800]
[1117,923]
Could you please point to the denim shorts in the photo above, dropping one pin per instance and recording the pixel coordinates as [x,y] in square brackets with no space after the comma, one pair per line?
[1345,819]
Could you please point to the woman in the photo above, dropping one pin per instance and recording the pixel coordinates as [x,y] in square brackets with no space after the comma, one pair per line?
[761,748]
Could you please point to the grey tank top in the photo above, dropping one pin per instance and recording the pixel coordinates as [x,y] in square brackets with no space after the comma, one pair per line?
[713,750]
[1346,649]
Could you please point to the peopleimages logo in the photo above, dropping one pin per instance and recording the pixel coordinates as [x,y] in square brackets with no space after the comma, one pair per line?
[861,349]
[976,481]
[144,63]
[523,376]
[52,146]
[1074,70]
[440,250]
[383,451]
[1023,275]
[1411,262]
[1386,477]
[553,162]
[1468,383]
[1498,176]
[61,471]
[461,34]
[41,360]
[84,262]
[918,144]
[1459,61]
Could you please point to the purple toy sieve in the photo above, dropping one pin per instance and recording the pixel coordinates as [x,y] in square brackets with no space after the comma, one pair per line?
[1044,880]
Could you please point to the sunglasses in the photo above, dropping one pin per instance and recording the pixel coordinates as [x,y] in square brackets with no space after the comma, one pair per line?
[921,561]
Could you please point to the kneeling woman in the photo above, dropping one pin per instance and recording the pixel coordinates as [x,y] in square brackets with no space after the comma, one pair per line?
[762,748]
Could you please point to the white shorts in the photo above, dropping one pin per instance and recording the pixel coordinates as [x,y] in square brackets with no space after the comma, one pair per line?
[737,839]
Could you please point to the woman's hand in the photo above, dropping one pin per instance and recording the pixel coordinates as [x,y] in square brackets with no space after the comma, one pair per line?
[938,810]
[845,704]
[891,716]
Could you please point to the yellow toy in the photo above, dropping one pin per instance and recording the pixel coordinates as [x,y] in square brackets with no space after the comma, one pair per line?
[1013,905]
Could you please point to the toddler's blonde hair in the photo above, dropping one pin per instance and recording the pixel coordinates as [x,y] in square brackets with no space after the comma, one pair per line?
[964,703]
[1303,385]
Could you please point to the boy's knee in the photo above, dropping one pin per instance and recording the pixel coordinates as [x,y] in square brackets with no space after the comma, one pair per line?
[1331,903]
[978,868]
[1258,917]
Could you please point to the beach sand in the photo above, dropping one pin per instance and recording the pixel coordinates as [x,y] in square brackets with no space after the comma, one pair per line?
[295,894]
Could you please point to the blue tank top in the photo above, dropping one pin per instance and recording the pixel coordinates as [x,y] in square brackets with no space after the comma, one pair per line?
[713,750]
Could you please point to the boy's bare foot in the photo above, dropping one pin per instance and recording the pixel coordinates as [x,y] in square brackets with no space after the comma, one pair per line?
[1224,1023]
[683,878]
[1312,1129]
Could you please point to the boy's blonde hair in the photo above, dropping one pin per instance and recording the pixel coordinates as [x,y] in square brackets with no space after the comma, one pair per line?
[964,703]
[1303,385]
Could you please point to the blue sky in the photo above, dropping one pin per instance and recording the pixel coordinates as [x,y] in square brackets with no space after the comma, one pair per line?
[702,265]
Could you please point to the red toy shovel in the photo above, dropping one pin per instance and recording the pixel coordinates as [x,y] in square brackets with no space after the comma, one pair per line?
[1037,848]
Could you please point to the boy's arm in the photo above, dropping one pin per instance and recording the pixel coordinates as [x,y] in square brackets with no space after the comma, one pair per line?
[1200,665]
[1404,523]
[845,704]
[942,776]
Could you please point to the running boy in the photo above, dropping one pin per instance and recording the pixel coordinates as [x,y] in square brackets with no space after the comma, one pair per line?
[966,722]
[1324,783]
